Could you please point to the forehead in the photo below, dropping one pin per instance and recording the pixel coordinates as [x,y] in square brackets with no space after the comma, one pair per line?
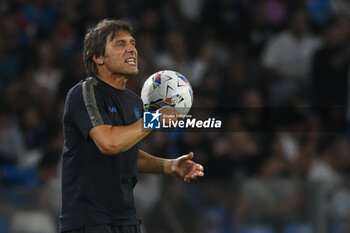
[120,35]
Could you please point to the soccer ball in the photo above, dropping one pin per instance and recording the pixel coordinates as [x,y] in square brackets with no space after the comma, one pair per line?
[167,88]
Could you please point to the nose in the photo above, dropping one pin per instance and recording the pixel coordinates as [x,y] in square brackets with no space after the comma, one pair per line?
[131,49]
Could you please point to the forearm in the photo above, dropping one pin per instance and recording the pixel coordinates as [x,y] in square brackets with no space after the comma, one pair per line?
[115,139]
[128,136]
[147,163]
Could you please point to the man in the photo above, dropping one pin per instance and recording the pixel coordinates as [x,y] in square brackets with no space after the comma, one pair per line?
[102,128]
[288,58]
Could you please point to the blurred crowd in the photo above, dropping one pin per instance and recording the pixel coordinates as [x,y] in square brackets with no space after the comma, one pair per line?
[258,56]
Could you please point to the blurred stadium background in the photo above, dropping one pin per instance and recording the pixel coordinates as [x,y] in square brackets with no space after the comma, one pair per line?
[255,54]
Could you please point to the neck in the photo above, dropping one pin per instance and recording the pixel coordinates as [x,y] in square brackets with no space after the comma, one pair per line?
[118,82]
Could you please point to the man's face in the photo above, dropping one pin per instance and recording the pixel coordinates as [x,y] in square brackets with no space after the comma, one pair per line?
[121,54]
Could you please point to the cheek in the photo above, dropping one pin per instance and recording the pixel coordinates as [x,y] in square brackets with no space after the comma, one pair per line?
[113,54]
[115,58]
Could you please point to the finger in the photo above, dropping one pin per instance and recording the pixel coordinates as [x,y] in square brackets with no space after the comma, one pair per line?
[189,156]
[176,115]
[200,174]
[175,112]
[191,172]
[179,116]
[200,167]
[196,174]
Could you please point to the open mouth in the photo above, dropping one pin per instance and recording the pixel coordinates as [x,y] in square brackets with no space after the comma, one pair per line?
[131,61]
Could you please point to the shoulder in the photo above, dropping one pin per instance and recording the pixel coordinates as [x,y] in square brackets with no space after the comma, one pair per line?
[277,43]
[280,39]
[84,89]
[135,98]
[75,91]
[133,95]
[314,41]
[284,36]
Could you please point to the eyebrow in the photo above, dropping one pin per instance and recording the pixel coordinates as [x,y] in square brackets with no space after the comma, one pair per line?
[131,40]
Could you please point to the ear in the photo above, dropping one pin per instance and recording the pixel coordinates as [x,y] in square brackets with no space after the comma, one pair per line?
[98,60]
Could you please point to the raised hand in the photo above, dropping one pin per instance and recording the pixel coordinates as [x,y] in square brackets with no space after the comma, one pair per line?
[184,168]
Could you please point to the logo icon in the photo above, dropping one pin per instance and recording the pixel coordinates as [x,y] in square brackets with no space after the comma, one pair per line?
[137,113]
[112,109]
[151,120]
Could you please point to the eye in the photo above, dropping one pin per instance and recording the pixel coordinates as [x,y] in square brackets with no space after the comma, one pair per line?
[121,43]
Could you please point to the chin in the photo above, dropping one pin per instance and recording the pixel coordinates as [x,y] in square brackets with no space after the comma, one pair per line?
[134,72]
[128,72]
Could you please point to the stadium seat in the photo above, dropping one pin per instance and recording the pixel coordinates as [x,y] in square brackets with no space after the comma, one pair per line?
[256,229]
[298,228]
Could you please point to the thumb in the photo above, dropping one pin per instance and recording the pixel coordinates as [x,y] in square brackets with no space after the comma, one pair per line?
[189,156]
